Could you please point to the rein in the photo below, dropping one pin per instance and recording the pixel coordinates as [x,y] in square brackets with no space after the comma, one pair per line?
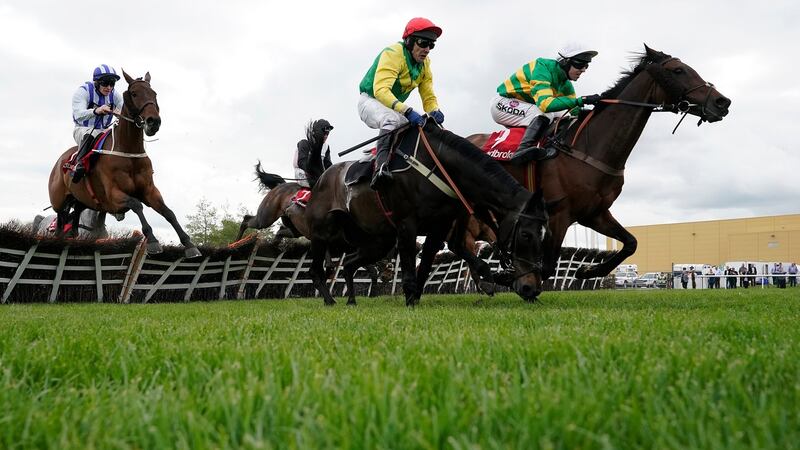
[444,172]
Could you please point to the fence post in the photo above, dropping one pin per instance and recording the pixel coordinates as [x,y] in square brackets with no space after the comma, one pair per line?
[394,275]
[137,261]
[246,274]
[294,275]
[62,260]
[98,274]
[162,279]
[21,268]
[269,272]
[224,279]
[195,279]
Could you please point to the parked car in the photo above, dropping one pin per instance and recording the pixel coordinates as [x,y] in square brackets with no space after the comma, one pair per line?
[624,279]
[650,280]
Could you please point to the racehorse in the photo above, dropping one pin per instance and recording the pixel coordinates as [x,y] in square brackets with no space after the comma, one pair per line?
[91,225]
[276,204]
[581,184]
[122,177]
[374,222]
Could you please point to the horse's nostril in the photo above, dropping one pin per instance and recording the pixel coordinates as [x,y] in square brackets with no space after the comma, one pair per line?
[723,102]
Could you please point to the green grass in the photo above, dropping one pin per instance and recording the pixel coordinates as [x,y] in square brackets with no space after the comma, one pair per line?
[653,369]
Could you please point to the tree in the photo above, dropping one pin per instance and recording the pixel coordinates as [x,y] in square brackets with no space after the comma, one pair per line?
[207,228]
[202,225]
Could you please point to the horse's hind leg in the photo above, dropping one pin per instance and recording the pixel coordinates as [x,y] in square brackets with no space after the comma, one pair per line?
[606,224]
[154,200]
[363,256]
[318,249]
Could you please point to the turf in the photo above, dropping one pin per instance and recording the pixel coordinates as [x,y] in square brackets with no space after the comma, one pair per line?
[637,369]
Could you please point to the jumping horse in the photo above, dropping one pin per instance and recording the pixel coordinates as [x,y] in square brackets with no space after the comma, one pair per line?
[413,206]
[582,183]
[122,176]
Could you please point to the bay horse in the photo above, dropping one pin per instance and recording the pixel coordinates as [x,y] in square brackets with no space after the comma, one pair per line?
[581,184]
[413,206]
[122,177]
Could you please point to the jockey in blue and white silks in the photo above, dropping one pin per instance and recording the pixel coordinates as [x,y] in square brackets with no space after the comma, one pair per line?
[93,105]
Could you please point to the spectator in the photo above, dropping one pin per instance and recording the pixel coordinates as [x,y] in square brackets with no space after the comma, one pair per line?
[710,276]
[731,277]
[780,281]
[692,274]
[684,278]
[751,270]
[743,282]
[792,275]
[718,278]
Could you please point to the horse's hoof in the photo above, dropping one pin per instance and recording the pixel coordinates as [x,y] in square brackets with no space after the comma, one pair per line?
[487,287]
[330,302]
[351,303]
[192,252]
[153,248]
[584,273]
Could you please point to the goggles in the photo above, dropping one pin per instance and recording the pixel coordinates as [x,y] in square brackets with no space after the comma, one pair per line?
[425,43]
[579,64]
[105,82]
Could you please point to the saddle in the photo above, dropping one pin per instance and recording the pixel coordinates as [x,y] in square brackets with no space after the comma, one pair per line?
[503,144]
[363,169]
[89,159]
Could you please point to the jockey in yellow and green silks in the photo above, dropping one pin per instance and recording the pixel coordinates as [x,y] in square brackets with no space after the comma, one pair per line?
[538,92]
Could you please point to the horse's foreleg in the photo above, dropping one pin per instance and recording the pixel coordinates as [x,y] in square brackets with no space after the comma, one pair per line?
[154,200]
[318,250]
[552,246]
[430,247]
[153,246]
[407,248]
[606,224]
[246,223]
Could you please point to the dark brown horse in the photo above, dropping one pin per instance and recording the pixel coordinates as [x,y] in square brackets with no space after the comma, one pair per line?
[413,207]
[276,204]
[122,178]
[581,184]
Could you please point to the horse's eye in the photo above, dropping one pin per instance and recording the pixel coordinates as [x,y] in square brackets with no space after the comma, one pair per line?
[133,94]
[677,70]
[526,235]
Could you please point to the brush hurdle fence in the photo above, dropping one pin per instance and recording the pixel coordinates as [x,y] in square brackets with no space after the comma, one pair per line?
[47,270]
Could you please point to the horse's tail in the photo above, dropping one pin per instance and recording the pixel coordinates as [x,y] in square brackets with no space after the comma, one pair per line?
[268,180]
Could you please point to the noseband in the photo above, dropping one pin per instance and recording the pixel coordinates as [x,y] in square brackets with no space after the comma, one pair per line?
[509,246]
[137,111]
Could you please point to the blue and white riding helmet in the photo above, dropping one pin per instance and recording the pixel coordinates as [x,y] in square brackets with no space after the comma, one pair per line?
[104,71]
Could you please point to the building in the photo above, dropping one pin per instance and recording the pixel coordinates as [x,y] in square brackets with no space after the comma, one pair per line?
[771,238]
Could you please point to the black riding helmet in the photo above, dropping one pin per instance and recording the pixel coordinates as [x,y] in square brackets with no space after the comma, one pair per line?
[315,131]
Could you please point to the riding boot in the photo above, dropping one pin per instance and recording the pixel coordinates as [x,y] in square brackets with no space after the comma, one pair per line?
[528,150]
[86,145]
[383,177]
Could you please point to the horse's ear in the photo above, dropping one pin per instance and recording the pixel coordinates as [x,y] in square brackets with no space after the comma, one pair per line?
[653,55]
[147,77]
[127,77]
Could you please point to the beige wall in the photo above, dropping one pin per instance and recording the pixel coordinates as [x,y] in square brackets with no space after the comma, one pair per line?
[773,238]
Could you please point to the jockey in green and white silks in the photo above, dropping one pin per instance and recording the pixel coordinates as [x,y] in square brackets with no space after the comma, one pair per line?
[93,105]
[540,91]
[396,72]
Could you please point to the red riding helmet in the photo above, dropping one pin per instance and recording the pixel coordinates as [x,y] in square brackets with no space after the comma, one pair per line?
[420,26]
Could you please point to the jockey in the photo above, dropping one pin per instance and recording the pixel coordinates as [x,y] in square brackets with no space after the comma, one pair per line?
[533,95]
[92,107]
[396,71]
[313,155]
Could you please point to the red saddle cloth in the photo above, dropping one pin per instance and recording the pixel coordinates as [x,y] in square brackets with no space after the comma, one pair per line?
[302,197]
[502,145]
[69,164]
[54,224]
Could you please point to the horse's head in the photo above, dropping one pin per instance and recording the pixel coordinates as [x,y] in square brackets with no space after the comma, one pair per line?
[682,86]
[141,104]
[521,237]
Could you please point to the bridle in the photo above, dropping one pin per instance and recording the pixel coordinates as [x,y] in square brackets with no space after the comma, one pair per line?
[507,238]
[136,112]
[683,105]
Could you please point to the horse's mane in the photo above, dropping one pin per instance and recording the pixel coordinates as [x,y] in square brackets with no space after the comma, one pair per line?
[488,167]
[640,62]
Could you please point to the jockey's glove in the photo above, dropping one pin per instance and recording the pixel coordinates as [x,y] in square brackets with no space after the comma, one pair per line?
[591,99]
[437,116]
[415,118]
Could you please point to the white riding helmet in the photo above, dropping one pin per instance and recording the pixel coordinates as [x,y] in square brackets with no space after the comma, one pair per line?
[577,52]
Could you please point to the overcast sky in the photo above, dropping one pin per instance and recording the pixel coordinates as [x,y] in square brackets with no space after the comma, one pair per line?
[238,81]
